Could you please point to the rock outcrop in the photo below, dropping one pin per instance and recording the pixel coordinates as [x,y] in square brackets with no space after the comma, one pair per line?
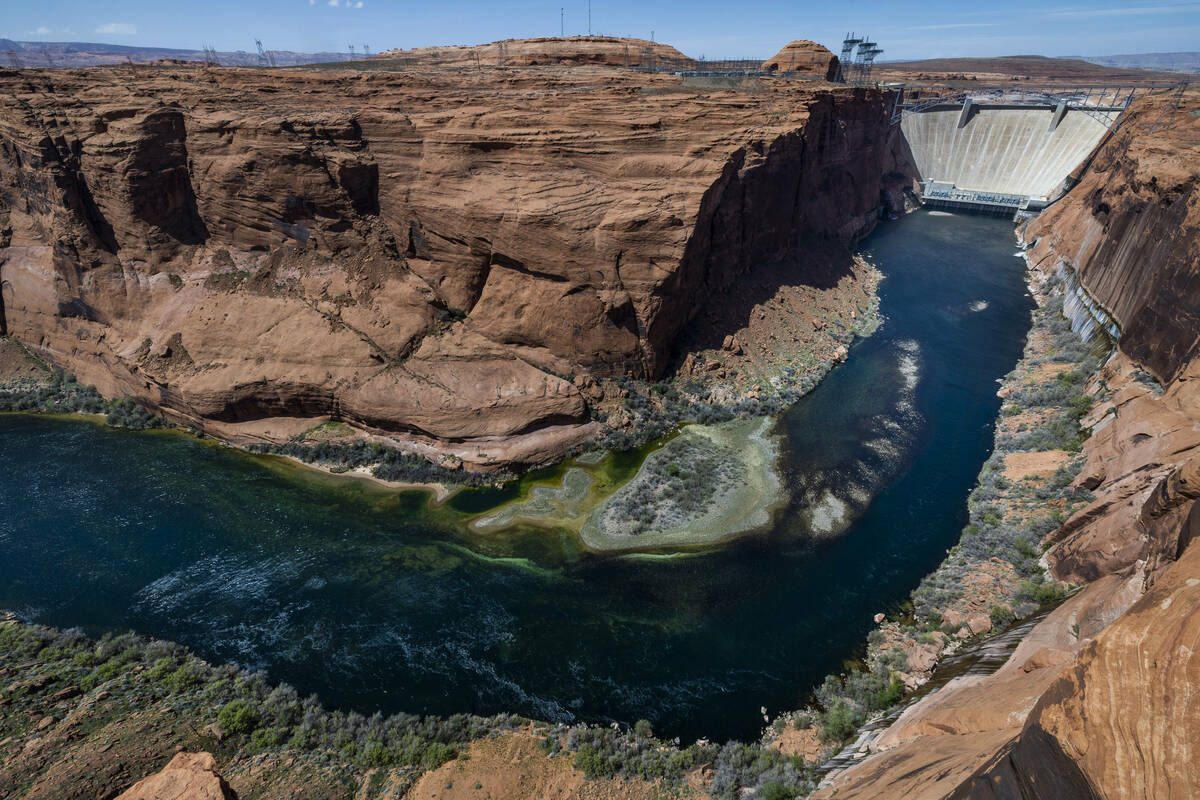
[1099,699]
[432,256]
[804,57]
[568,50]
[189,776]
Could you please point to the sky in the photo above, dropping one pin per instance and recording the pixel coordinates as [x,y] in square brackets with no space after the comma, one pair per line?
[711,28]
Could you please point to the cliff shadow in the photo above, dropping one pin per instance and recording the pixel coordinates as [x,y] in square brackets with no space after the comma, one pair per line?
[772,301]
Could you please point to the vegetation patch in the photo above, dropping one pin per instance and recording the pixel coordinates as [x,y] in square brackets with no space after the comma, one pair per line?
[383,462]
[677,485]
[993,577]
[60,393]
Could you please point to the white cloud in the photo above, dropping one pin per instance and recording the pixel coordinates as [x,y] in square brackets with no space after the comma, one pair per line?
[117,28]
[333,3]
[1135,11]
[40,30]
[358,4]
[312,2]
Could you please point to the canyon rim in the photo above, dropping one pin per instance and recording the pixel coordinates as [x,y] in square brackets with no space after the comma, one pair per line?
[597,286]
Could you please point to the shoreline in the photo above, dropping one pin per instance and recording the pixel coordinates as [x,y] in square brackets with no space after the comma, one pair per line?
[983,588]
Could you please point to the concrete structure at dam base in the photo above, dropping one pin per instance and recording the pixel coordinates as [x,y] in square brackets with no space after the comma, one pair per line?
[1004,151]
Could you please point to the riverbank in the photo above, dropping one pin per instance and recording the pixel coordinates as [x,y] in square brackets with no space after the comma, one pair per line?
[995,576]
[390,597]
[789,347]
[87,718]
[695,488]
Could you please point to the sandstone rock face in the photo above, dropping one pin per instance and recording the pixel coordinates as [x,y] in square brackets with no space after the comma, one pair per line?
[189,776]
[433,255]
[1129,228]
[610,50]
[1125,713]
[1099,699]
[805,57]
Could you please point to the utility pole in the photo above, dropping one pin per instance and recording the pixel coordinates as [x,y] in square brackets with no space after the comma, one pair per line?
[562,30]
[651,36]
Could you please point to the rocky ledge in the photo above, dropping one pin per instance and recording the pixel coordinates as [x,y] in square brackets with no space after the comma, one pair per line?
[454,259]
[1098,699]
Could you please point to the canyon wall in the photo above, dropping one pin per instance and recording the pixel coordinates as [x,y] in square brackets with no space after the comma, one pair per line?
[447,255]
[1099,699]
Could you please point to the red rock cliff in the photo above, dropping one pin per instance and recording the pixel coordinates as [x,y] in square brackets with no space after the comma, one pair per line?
[1099,699]
[434,253]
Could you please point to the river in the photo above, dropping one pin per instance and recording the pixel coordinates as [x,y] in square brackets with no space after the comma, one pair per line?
[375,600]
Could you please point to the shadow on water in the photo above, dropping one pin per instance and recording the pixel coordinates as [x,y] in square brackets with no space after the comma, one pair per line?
[376,600]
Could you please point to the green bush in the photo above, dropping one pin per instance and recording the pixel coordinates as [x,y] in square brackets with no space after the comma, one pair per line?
[839,722]
[1002,616]
[886,698]
[237,717]
[184,679]
[643,730]
[774,790]
[591,762]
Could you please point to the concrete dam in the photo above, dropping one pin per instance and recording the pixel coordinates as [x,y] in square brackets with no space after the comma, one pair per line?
[1003,151]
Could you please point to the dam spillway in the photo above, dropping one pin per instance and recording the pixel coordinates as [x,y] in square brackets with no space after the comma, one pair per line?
[1001,155]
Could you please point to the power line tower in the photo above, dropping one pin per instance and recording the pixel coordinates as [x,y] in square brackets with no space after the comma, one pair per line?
[848,44]
[366,51]
[262,54]
[353,55]
[866,59]
[210,56]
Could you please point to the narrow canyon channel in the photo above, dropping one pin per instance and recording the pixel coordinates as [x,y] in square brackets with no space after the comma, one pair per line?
[376,599]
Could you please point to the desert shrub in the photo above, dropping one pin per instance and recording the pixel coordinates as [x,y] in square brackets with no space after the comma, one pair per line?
[1002,616]
[237,717]
[184,679]
[839,722]
[591,762]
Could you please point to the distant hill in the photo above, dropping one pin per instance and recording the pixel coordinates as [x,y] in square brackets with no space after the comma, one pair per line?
[1172,62]
[91,54]
[1027,67]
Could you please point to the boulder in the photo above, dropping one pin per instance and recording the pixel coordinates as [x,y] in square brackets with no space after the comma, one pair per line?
[188,776]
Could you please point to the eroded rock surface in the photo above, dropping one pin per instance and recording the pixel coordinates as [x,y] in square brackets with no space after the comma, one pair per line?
[437,255]
[1099,699]
[189,776]
[805,57]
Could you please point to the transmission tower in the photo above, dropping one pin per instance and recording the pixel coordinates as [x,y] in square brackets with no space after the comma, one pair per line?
[264,60]
[210,56]
[848,44]
[867,52]
[366,50]
[352,53]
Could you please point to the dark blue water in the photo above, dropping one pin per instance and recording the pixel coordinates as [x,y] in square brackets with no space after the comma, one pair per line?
[374,601]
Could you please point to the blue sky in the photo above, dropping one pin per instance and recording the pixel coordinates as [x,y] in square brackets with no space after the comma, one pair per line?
[715,28]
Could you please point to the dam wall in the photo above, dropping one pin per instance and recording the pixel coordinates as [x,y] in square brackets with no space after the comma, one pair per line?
[1004,156]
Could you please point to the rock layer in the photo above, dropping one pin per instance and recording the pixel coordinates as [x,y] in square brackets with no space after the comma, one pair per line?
[434,254]
[1099,699]
[806,58]
[189,776]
